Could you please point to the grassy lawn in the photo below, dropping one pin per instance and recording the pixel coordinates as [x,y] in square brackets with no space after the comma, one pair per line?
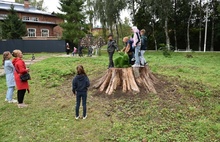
[186,108]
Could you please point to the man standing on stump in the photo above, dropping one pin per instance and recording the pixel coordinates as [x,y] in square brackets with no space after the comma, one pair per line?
[112,46]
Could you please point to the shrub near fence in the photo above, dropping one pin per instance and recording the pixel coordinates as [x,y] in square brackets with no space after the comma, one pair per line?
[33,46]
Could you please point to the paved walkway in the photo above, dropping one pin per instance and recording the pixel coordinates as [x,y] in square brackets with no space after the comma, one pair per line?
[27,62]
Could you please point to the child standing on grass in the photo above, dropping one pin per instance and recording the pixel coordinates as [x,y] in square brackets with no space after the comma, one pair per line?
[9,71]
[80,86]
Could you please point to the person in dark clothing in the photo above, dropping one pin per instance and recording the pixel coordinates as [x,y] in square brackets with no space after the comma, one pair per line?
[80,86]
[67,48]
[112,46]
[80,51]
[128,49]
[90,49]
[143,47]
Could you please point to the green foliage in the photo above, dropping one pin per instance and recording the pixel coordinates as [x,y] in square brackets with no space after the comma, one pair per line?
[122,61]
[74,27]
[108,12]
[12,26]
[205,93]
[164,48]
[177,115]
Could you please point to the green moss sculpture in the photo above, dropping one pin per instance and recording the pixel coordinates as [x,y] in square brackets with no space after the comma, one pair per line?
[122,61]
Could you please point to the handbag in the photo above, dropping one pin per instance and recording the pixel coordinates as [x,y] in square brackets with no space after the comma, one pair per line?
[25,77]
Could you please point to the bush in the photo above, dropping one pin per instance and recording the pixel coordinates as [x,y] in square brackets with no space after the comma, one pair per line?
[166,51]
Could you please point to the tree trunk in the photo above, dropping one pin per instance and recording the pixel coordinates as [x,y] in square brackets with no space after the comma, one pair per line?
[175,34]
[133,13]
[128,80]
[167,34]
[117,33]
[213,34]
[200,25]
[188,24]
[155,40]
[213,26]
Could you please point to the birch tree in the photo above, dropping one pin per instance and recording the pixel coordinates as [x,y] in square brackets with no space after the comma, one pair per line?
[188,25]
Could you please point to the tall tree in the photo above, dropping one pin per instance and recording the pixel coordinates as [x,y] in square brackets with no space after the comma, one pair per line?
[214,15]
[100,15]
[175,25]
[90,13]
[74,27]
[200,24]
[108,11]
[188,25]
[164,11]
[12,26]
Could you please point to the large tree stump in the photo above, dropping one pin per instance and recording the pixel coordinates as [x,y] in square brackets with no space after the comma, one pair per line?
[129,79]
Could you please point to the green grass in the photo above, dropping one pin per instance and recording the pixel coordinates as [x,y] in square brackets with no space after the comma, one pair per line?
[189,113]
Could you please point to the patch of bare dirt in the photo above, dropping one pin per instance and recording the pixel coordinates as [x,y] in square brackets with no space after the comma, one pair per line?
[170,90]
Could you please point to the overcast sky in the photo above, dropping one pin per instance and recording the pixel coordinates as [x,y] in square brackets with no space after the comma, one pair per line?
[50,4]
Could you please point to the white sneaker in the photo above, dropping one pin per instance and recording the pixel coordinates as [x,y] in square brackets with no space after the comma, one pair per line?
[22,105]
[13,101]
[146,64]
[132,59]
[85,117]
[77,117]
[135,65]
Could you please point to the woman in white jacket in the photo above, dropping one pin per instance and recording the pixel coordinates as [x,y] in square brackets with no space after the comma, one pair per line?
[9,72]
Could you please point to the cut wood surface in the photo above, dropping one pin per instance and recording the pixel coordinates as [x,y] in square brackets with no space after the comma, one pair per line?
[127,79]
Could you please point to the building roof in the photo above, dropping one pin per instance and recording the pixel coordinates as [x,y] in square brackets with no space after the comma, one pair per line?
[4,5]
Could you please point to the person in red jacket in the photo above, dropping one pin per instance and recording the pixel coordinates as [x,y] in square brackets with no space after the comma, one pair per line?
[22,86]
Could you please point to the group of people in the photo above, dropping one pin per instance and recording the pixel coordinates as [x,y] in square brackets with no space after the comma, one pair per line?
[135,47]
[13,69]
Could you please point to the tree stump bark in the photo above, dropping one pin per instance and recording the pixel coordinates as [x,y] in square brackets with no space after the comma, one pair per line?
[129,79]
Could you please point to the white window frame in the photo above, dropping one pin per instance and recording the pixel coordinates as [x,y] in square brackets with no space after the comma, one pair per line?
[34,19]
[25,18]
[3,15]
[42,34]
[31,34]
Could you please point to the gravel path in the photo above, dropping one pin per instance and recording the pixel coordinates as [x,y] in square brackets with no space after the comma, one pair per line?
[27,62]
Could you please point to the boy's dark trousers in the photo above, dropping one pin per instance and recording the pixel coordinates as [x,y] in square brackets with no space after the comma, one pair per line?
[111,63]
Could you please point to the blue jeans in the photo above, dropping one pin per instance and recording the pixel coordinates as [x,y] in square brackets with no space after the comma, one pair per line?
[79,96]
[10,92]
[136,55]
[143,61]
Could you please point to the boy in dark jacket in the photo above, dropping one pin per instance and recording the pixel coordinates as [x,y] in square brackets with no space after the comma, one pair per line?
[112,46]
[143,47]
[80,86]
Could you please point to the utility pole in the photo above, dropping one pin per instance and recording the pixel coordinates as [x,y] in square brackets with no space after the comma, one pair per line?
[206,24]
